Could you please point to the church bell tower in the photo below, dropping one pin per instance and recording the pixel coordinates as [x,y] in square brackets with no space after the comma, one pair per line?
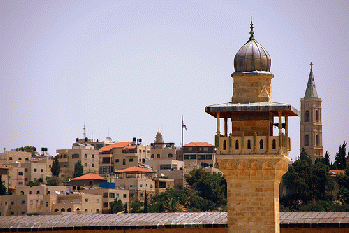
[310,122]
[251,157]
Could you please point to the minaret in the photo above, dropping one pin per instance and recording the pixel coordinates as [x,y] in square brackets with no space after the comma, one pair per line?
[310,122]
[251,157]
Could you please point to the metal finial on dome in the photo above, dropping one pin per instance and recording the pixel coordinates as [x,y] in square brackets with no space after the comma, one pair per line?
[311,66]
[251,32]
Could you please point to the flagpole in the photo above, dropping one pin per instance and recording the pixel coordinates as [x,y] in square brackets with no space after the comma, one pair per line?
[182,131]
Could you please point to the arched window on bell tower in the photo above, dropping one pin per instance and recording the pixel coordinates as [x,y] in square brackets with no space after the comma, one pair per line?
[306,140]
[306,116]
[317,115]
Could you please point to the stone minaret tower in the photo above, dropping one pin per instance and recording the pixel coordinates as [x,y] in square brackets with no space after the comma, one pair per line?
[311,125]
[251,157]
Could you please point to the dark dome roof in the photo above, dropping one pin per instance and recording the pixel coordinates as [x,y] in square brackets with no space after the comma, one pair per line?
[252,56]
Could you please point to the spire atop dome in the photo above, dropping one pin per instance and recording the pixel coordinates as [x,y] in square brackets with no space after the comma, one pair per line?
[251,32]
[311,89]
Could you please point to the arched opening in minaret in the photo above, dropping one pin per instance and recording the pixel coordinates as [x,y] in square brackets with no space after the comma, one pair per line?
[248,144]
[261,144]
[224,144]
[236,144]
[273,144]
[306,116]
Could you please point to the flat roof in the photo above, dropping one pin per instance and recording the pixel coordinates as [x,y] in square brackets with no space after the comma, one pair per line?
[160,220]
[230,108]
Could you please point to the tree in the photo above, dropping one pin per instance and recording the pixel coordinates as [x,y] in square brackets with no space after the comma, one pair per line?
[116,206]
[2,186]
[168,201]
[53,181]
[78,169]
[136,206]
[212,187]
[56,168]
[340,159]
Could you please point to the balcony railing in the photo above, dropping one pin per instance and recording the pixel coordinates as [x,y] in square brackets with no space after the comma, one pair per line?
[235,145]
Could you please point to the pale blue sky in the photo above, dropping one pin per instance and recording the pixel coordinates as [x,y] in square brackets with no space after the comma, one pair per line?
[134,67]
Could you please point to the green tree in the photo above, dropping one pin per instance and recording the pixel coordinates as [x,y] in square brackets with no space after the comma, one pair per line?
[343,183]
[33,183]
[168,201]
[212,187]
[56,168]
[78,169]
[340,159]
[194,203]
[53,181]
[145,209]
[136,206]
[116,206]
[2,186]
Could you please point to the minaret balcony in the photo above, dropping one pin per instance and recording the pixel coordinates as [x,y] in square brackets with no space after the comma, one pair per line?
[239,145]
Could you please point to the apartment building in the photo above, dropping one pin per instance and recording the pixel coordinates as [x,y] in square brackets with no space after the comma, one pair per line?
[85,153]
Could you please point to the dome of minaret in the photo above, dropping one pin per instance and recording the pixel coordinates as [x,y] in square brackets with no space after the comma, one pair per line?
[252,56]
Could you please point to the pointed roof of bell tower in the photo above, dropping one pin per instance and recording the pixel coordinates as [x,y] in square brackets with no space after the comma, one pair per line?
[311,89]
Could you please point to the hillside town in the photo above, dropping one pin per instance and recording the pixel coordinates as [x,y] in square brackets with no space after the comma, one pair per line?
[90,175]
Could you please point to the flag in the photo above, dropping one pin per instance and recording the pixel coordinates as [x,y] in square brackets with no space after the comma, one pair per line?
[184,126]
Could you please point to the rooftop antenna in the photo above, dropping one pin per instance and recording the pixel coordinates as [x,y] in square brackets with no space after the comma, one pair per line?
[84,131]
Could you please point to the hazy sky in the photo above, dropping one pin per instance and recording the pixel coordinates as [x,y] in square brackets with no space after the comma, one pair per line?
[134,67]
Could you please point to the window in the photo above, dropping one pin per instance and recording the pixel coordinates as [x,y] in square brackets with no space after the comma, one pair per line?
[248,144]
[201,157]
[97,200]
[208,157]
[151,186]
[19,158]
[69,210]
[93,156]
[317,115]
[22,212]
[306,140]
[26,170]
[23,202]
[106,160]
[236,144]
[46,204]
[125,195]
[85,164]
[130,160]
[20,173]
[224,144]
[117,195]
[170,155]
[116,160]
[141,185]
[141,194]
[192,156]
[38,192]
[158,156]
[306,116]
[165,167]
[10,158]
[20,183]
[186,157]
[152,156]
[317,140]
[93,165]
[34,169]
[111,195]
[75,156]
[124,162]
[30,192]
[42,170]
[273,144]
[86,199]
[12,203]
[105,204]
[85,156]
[261,144]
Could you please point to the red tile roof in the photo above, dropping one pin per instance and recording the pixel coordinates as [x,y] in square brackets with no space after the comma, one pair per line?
[130,147]
[112,146]
[134,170]
[334,173]
[3,168]
[89,177]
[198,144]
